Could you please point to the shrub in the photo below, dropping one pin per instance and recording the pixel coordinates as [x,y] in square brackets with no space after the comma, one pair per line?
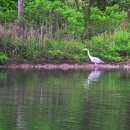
[122,38]
[55,55]
[3,58]
[109,47]
[113,47]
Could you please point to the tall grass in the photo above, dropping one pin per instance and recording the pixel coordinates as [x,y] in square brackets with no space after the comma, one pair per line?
[39,32]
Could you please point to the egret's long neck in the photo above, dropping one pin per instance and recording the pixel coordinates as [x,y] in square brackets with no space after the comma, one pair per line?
[89,54]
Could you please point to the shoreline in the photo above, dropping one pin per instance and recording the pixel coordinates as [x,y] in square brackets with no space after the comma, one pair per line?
[67,66]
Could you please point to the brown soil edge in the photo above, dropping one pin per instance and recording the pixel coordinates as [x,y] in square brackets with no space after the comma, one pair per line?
[66,66]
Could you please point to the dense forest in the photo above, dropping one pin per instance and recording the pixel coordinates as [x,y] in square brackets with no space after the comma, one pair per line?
[42,31]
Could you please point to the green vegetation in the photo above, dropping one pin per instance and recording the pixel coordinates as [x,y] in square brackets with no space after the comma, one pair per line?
[57,31]
[111,47]
[3,58]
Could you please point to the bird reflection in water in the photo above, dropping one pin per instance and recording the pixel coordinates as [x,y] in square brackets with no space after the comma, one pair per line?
[92,77]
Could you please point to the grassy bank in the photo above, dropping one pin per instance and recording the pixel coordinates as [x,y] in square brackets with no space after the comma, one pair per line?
[112,47]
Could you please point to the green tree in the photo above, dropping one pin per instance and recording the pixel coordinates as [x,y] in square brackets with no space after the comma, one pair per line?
[8,11]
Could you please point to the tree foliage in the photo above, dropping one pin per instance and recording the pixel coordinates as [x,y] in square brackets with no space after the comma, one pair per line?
[8,10]
[111,14]
[62,20]
[62,15]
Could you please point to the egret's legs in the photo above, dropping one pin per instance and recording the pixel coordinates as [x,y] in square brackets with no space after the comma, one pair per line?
[96,66]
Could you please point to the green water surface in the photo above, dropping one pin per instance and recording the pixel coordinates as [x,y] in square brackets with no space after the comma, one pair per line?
[64,100]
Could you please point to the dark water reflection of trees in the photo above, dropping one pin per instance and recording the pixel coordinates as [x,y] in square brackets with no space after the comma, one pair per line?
[63,100]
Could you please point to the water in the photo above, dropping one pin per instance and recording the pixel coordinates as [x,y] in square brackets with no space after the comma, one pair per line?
[64,100]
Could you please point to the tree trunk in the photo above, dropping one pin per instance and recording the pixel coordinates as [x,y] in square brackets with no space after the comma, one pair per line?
[20,18]
[77,4]
[87,10]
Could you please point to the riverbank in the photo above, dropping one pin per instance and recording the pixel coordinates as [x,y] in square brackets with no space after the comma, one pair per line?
[66,66]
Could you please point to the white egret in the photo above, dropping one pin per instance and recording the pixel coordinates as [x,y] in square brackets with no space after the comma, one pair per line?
[94,59]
